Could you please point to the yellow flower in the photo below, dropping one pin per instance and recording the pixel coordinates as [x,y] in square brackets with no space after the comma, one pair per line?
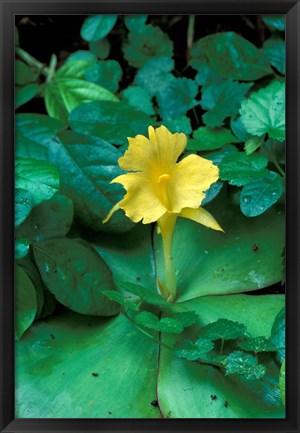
[161,189]
[157,184]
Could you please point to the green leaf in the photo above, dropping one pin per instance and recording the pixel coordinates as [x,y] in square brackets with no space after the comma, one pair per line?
[106,73]
[260,194]
[205,73]
[193,351]
[212,192]
[145,294]
[264,111]
[223,329]
[97,27]
[258,344]
[135,23]
[33,135]
[109,120]
[245,365]
[274,49]
[214,263]
[177,98]
[74,92]
[282,382]
[252,144]
[211,138]
[82,55]
[239,168]
[151,42]
[181,124]
[21,248]
[82,346]
[275,22]
[139,98]
[218,156]
[231,56]
[23,205]
[278,334]
[154,76]
[23,73]
[39,178]
[25,302]
[222,100]
[55,104]
[198,382]
[238,129]
[76,276]
[49,219]
[174,324]
[73,69]
[86,166]
[100,48]
[25,94]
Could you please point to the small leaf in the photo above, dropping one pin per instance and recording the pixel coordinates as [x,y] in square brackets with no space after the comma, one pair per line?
[152,298]
[181,124]
[154,76]
[174,324]
[223,329]
[100,48]
[97,27]
[222,100]
[23,205]
[239,129]
[211,138]
[239,169]
[80,55]
[106,73]
[274,49]
[76,275]
[39,178]
[252,144]
[25,94]
[135,23]
[25,302]
[245,365]
[275,22]
[264,111]
[24,74]
[21,248]
[258,344]
[278,333]
[212,192]
[139,98]
[193,351]
[260,194]
[73,69]
[231,56]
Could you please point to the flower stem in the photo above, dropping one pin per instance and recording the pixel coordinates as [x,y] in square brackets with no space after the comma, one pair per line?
[190,34]
[167,226]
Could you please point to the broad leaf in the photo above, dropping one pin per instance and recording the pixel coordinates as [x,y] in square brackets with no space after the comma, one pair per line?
[113,121]
[210,139]
[278,334]
[23,205]
[264,111]
[282,382]
[260,194]
[139,98]
[155,75]
[106,73]
[90,354]
[274,49]
[135,23]
[275,22]
[245,365]
[39,178]
[231,56]
[258,344]
[223,329]
[23,73]
[25,94]
[181,124]
[76,276]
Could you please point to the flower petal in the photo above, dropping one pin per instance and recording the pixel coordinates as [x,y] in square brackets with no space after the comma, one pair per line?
[201,216]
[188,181]
[160,151]
[141,200]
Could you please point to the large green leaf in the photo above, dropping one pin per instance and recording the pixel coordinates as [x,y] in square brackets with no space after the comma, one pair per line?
[231,56]
[97,27]
[33,135]
[86,166]
[139,98]
[222,99]
[23,205]
[38,177]
[112,121]
[155,75]
[25,302]
[264,111]
[274,49]
[246,257]
[135,23]
[51,218]
[206,138]
[240,168]
[106,73]
[86,367]
[76,275]
[23,73]
[191,390]
[25,94]
[129,256]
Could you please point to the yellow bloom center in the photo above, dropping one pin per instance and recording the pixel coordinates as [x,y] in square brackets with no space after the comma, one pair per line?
[163,178]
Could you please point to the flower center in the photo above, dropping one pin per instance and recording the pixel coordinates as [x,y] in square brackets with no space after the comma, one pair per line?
[163,178]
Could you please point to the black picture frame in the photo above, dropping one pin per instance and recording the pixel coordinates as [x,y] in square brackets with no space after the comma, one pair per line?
[7,12]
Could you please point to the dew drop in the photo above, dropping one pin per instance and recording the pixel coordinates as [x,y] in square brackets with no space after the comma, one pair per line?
[261,207]
[205,252]
[274,193]
[247,199]
[36,226]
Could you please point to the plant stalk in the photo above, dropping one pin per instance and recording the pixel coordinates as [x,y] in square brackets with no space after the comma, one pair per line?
[31,61]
